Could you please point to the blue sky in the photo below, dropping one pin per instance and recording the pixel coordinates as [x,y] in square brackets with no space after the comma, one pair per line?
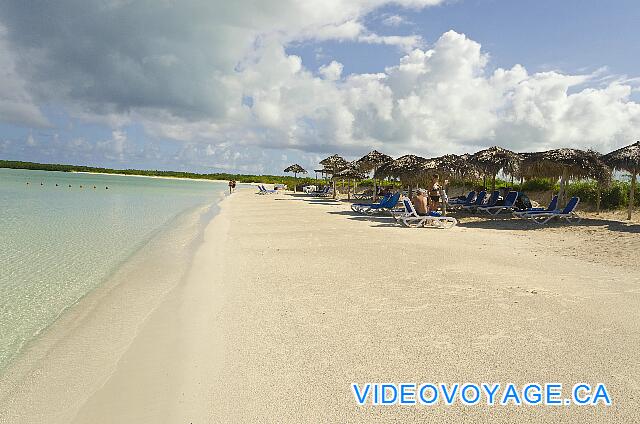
[210,87]
[569,35]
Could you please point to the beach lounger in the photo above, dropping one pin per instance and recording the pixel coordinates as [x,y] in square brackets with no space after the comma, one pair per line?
[568,214]
[263,190]
[326,191]
[360,207]
[493,200]
[509,204]
[368,194]
[454,203]
[552,207]
[478,202]
[411,218]
[386,207]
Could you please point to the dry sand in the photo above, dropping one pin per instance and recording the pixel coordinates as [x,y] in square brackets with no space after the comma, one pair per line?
[290,299]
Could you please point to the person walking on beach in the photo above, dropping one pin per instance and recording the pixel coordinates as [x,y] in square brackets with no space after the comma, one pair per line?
[232,186]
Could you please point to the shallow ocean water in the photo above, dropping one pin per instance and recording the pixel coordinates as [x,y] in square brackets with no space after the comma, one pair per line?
[57,243]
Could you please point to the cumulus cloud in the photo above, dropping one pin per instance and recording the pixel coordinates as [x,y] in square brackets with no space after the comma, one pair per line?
[394,20]
[16,103]
[331,71]
[176,56]
[220,82]
[435,101]
[432,102]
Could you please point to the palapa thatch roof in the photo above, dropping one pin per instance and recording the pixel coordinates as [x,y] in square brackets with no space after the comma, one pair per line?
[372,161]
[495,159]
[407,168]
[575,163]
[296,169]
[349,173]
[455,166]
[333,164]
[625,159]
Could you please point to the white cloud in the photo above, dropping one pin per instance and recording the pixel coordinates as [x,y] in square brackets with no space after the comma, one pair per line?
[16,104]
[115,148]
[221,83]
[404,42]
[394,20]
[432,102]
[332,71]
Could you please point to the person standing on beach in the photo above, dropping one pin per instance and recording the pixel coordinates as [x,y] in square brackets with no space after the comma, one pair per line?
[434,191]
[230,186]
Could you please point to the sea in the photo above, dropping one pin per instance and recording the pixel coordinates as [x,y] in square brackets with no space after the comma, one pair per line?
[63,234]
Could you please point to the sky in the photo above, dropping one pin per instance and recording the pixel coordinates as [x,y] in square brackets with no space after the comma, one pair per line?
[252,86]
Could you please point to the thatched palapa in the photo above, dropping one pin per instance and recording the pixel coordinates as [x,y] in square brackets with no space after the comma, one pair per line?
[453,166]
[349,173]
[408,168]
[371,162]
[626,159]
[334,164]
[570,163]
[495,159]
[566,164]
[296,169]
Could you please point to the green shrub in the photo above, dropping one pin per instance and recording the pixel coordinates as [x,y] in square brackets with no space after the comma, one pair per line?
[615,196]
[539,184]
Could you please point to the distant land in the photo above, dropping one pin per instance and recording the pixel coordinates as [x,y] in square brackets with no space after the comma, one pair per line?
[241,178]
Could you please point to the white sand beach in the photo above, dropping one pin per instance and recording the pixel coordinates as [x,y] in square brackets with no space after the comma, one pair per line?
[149,176]
[290,299]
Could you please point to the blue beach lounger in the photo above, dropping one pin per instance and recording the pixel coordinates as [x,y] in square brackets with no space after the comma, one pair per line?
[552,207]
[359,207]
[509,204]
[568,214]
[263,190]
[387,206]
[478,202]
[454,203]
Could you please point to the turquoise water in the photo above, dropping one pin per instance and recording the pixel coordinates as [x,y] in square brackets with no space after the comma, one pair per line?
[57,243]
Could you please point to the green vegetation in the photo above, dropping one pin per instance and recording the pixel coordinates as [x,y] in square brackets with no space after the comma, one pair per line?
[241,178]
[616,195]
[612,197]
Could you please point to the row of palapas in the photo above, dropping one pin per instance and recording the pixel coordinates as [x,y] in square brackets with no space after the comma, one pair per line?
[563,164]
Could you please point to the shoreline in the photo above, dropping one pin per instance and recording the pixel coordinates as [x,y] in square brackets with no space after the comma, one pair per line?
[95,331]
[288,300]
[146,176]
